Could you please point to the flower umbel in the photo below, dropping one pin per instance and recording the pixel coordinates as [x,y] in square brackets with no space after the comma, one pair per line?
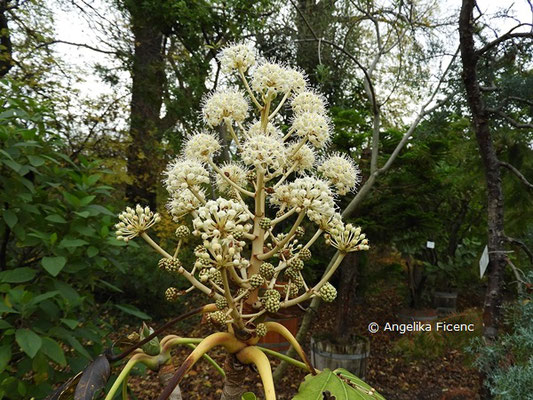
[134,222]
[347,238]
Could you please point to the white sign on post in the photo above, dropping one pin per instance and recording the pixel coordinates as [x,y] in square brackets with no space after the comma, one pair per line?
[430,245]
[483,262]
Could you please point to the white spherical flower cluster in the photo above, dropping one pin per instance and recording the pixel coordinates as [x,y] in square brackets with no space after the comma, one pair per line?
[221,218]
[341,172]
[235,173]
[236,57]
[313,126]
[225,105]
[133,222]
[182,202]
[184,173]
[301,160]
[308,193]
[201,146]
[271,79]
[271,130]
[220,223]
[347,238]
[308,102]
[296,80]
[265,152]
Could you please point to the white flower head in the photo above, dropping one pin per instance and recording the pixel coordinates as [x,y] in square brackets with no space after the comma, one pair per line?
[271,79]
[201,146]
[347,238]
[271,130]
[235,173]
[308,102]
[296,79]
[133,222]
[220,219]
[310,194]
[301,160]
[182,202]
[265,152]
[236,57]
[226,105]
[313,126]
[184,173]
[341,171]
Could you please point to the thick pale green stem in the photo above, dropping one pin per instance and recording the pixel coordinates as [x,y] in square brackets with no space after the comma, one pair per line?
[283,100]
[286,358]
[280,329]
[124,374]
[252,355]
[258,232]
[231,305]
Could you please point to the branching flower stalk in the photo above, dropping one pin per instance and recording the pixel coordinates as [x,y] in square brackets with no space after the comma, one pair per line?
[251,256]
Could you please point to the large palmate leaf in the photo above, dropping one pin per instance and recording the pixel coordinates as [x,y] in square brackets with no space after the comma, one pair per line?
[335,385]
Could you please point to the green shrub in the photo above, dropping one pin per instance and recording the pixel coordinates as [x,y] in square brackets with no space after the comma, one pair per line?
[508,362]
[55,251]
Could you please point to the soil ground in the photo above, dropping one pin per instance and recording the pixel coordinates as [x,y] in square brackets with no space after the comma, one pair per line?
[397,376]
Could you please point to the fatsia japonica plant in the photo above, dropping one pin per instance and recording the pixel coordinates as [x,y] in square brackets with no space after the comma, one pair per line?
[252,252]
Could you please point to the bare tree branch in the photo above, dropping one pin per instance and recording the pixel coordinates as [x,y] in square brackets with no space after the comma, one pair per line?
[522,245]
[515,171]
[46,44]
[505,37]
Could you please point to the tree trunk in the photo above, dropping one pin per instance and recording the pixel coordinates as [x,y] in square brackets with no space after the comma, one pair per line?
[347,294]
[6,48]
[233,383]
[480,118]
[148,77]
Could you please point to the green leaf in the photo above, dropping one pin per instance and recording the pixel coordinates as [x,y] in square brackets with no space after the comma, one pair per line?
[78,346]
[36,161]
[11,218]
[83,214]
[53,265]
[5,325]
[128,309]
[44,296]
[56,218]
[92,251]
[111,286]
[339,383]
[5,356]
[28,341]
[71,323]
[53,351]
[6,309]
[72,243]
[248,396]
[17,275]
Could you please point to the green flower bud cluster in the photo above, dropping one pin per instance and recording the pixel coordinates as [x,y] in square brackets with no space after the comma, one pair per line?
[217,318]
[261,330]
[266,270]
[256,280]
[327,292]
[221,303]
[182,232]
[265,223]
[304,254]
[272,300]
[296,263]
[172,294]
[169,264]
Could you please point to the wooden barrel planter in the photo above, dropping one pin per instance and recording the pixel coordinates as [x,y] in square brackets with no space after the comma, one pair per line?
[352,356]
[275,341]
[445,302]
[408,316]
